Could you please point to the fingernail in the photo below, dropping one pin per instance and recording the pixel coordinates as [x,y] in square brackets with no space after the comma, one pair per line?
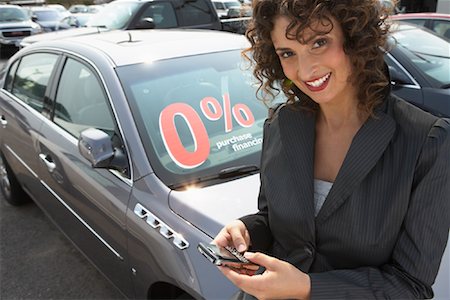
[241,248]
[248,255]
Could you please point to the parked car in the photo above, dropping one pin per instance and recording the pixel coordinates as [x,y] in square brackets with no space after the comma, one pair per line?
[78,8]
[74,21]
[15,24]
[47,17]
[145,14]
[62,10]
[439,23]
[227,8]
[420,68]
[139,145]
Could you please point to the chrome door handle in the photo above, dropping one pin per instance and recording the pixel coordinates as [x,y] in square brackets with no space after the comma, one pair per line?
[51,166]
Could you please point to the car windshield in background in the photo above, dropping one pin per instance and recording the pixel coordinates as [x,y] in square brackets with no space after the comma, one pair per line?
[114,15]
[428,52]
[12,14]
[198,116]
[47,15]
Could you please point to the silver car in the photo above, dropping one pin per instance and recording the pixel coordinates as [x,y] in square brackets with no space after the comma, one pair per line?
[139,145]
[15,24]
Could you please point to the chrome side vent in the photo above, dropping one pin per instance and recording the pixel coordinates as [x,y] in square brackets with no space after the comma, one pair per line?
[164,230]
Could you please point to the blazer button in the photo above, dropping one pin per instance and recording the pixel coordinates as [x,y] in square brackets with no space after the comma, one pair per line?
[309,250]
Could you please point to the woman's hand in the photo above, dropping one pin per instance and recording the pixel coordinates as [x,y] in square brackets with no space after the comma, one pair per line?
[281,280]
[234,234]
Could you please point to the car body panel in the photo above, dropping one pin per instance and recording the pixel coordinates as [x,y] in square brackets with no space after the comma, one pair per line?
[194,204]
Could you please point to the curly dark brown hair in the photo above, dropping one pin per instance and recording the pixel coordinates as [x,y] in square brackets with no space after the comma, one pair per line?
[365,32]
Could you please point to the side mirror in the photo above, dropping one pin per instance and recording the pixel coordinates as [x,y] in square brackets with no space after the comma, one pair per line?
[96,146]
[34,18]
[146,23]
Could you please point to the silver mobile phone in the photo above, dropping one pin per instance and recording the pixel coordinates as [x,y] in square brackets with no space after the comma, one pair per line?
[222,255]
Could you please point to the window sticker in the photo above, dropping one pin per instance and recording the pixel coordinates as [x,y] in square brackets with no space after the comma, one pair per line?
[211,110]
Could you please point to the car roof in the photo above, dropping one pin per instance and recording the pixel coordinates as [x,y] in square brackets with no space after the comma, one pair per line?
[428,15]
[125,47]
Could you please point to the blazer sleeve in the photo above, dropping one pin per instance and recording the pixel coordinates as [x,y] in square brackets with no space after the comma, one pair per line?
[420,245]
[258,224]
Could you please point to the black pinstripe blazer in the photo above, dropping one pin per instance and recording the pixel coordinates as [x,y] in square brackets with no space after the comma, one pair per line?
[383,228]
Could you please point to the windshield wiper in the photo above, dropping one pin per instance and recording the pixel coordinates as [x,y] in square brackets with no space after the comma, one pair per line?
[226,173]
[446,86]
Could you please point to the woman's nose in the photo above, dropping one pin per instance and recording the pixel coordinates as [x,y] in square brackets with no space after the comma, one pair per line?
[307,67]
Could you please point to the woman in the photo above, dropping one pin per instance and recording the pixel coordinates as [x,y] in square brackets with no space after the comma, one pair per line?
[355,183]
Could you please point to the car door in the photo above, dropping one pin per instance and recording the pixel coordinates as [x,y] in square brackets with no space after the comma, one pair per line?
[23,102]
[89,204]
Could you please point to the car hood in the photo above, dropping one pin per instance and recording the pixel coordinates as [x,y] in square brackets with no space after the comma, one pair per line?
[210,208]
[61,34]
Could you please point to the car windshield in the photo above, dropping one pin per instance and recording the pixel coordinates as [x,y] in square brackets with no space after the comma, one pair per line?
[427,51]
[197,115]
[232,4]
[47,15]
[114,15]
[12,14]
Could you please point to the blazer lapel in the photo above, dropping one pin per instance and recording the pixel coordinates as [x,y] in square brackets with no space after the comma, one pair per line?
[298,137]
[366,149]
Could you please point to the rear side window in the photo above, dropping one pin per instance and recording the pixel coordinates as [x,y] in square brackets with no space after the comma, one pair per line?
[195,13]
[32,78]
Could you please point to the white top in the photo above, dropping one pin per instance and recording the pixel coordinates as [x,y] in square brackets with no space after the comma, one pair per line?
[321,190]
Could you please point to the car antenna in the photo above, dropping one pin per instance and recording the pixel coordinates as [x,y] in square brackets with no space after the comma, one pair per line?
[129,38]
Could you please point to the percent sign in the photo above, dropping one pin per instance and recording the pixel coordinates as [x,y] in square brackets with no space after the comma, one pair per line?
[213,111]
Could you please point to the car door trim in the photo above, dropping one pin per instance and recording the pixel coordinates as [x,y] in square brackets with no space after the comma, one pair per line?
[81,220]
[416,85]
[21,161]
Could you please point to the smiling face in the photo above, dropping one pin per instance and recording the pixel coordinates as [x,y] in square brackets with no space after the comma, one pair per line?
[319,67]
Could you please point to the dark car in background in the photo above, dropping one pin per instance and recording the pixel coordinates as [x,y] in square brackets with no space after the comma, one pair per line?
[15,24]
[144,14]
[419,65]
[47,17]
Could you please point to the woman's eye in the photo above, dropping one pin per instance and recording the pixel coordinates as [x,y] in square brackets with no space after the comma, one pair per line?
[319,43]
[286,54]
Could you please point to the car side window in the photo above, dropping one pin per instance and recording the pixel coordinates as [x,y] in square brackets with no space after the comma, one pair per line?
[195,12]
[442,28]
[80,101]
[32,78]
[10,76]
[162,13]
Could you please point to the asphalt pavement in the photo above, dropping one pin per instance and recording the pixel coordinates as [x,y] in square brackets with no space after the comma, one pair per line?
[38,262]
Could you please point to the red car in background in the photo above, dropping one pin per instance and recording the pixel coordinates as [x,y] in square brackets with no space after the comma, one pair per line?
[439,23]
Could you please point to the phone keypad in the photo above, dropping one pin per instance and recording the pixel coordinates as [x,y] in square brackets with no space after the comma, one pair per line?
[237,254]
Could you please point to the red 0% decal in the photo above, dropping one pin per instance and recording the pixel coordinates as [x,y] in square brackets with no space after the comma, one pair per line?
[212,110]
